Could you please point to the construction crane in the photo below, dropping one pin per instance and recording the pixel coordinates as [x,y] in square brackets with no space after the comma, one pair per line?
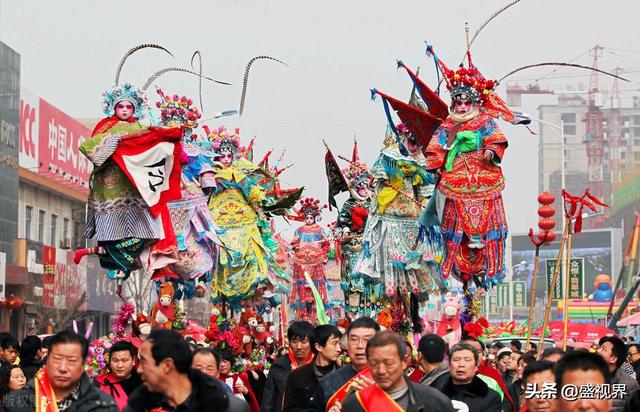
[614,132]
[594,138]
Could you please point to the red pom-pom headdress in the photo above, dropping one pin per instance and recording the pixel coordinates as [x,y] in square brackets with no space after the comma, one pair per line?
[310,207]
[467,83]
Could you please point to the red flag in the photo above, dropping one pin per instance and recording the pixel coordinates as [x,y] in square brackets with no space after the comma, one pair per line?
[152,166]
[422,124]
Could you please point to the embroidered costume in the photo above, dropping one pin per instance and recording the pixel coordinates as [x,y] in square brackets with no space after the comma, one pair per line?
[392,251]
[310,249]
[247,266]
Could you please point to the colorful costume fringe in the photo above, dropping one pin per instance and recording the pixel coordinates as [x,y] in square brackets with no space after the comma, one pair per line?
[392,253]
[116,213]
[248,264]
[310,247]
[474,225]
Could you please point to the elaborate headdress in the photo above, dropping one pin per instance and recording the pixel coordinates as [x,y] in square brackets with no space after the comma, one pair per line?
[122,92]
[310,207]
[177,111]
[223,141]
[357,174]
[467,83]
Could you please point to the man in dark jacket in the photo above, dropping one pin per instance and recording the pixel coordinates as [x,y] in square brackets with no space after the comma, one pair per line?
[62,381]
[300,336]
[302,383]
[170,384]
[614,352]
[462,385]
[633,354]
[30,352]
[431,351]
[358,334]
[393,390]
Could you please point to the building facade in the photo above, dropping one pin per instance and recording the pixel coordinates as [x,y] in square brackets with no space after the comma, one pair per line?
[621,158]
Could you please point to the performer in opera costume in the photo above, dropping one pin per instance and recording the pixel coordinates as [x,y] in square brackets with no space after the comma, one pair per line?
[310,249]
[466,152]
[247,267]
[195,228]
[117,215]
[392,252]
[350,224]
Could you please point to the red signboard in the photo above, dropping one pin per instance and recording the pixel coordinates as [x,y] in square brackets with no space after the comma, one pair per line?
[28,130]
[71,281]
[60,136]
[49,275]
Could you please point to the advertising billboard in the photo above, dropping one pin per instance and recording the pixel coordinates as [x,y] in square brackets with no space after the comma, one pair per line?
[596,251]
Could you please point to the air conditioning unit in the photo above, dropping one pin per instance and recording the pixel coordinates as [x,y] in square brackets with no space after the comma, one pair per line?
[65,243]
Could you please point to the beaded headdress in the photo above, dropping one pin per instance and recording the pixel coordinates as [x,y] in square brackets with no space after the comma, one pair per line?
[177,110]
[125,92]
[310,207]
[223,141]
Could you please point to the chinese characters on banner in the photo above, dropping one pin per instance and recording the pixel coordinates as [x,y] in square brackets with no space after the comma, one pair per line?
[49,275]
[519,294]
[59,138]
[64,282]
[576,278]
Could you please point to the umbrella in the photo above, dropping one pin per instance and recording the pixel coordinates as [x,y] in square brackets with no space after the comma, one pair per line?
[592,331]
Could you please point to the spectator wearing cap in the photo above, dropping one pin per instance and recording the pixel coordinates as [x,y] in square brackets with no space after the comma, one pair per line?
[462,385]
[581,368]
[614,353]
[431,352]
[537,375]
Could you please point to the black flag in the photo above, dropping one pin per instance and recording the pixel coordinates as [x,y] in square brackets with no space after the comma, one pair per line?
[337,182]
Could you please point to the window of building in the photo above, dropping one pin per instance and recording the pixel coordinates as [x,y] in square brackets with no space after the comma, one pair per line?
[636,120]
[568,117]
[28,217]
[54,230]
[65,230]
[41,215]
[569,129]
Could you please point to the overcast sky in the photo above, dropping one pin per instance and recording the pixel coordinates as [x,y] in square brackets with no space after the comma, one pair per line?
[337,50]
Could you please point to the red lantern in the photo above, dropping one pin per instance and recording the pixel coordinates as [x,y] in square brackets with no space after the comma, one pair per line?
[546,211]
[14,302]
[546,224]
[550,236]
[546,198]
